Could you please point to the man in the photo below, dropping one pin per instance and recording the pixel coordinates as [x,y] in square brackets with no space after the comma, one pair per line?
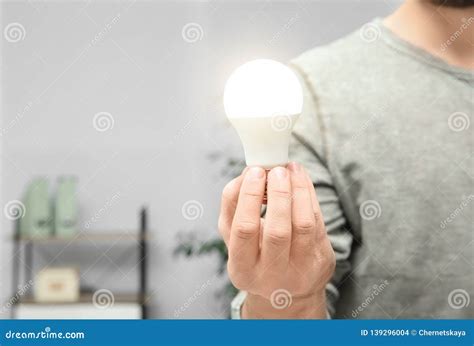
[385,137]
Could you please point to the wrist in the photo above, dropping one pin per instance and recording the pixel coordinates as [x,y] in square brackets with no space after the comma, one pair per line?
[285,306]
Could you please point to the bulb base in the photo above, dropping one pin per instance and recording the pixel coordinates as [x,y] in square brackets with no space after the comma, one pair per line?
[267,170]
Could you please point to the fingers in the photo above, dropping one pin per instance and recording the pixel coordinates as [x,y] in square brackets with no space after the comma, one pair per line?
[230,196]
[276,238]
[303,220]
[320,228]
[314,200]
[245,230]
[292,233]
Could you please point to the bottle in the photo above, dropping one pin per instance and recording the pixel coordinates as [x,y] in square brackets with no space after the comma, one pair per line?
[37,221]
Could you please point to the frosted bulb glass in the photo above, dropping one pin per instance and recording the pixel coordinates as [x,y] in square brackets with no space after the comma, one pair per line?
[263,99]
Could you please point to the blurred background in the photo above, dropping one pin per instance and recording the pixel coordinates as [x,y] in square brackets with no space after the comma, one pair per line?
[115,146]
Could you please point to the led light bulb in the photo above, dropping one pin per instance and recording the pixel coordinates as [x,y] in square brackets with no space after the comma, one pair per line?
[263,99]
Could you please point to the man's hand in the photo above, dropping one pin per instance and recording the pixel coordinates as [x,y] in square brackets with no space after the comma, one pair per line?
[285,260]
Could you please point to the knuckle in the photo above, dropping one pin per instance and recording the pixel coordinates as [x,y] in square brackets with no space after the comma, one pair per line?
[280,194]
[304,226]
[278,237]
[252,194]
[321,234]
[319,218]
[246,230]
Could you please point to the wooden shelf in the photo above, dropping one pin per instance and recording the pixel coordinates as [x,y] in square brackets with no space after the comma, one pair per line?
[85,298]
[85,236]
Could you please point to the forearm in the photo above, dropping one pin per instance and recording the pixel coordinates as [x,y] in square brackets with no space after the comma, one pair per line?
[308,307]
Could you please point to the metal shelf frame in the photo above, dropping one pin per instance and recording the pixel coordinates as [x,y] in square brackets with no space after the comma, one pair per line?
[23,250]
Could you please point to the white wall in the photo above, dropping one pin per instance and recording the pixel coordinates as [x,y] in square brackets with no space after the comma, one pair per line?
[164,94]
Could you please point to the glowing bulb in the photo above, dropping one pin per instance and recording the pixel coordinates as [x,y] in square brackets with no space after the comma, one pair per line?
[263,99]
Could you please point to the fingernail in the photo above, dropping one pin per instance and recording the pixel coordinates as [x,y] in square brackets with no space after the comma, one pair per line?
[280,172]
[294,167]
[256,172]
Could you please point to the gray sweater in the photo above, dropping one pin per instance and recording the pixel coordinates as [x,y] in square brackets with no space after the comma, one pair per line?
[386,137]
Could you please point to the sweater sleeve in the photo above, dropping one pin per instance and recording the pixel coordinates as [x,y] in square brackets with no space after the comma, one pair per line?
[308,147]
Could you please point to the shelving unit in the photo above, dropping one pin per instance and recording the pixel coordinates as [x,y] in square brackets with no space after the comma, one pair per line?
[24,248]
